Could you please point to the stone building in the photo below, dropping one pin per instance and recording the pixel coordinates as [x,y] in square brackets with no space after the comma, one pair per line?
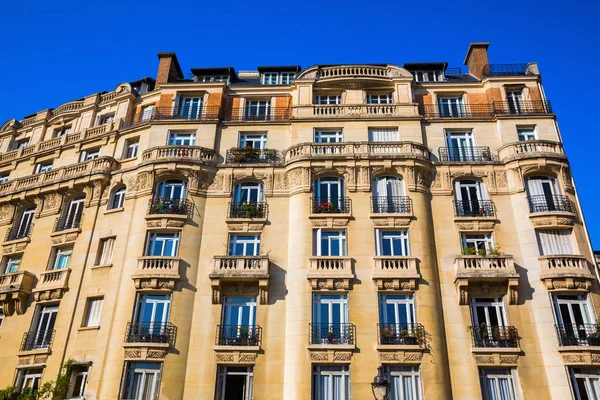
[282,233]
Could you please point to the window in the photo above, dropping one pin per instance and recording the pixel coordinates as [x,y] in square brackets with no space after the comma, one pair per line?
[79,379]
[1,317]
[62,257]
[383,135]
[258,109]
[543,194]
[526,133]
[172,189]
[330,243]
[238,322]
[17,144]
[328,99]
[405,383]
[331,382]
[391,243]
[575,319]
[460,146]
[151,318]
[278,78]
[131,148]
[29,378]
[428,76]
[105,119]
[43,167]
[163,244]
[105,252]
[477,244]
[234,383]
[270,78]
[451,106]
[142,381]
[182,139]
[555,242]
[330,319]
[490,323]
[11,264]
[63,130]
[4,177]
[329,189]
[586,383]
[248,192]
[379,98]
[287,78]
[244,245]
[40,335]
[470,199]
[118,198]
[515,101]
[329,136]
[147,112]
[256,141]
[72,218]
[498,383]
[388,195]
[94,308]
[90,154]
[23,228]
[396,314]
[190,108]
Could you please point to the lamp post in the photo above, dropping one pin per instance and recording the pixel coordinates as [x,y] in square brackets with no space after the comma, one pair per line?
[380,385]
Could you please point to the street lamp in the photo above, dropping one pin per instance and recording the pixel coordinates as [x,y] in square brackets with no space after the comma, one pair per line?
[380,385]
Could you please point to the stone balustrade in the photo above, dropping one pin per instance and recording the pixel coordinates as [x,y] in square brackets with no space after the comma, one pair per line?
[52,284]
[240,266]
[396,272]
[68,107]
[566,271]
[15,288]
[530,148]
[353,71]
[156,272]
[330,272]
[356,150]
[184,153]
[485,266]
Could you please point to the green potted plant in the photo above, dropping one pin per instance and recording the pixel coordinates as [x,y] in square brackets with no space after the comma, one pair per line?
[408,338]
[388,335]
[331,335]
[468,251]
[593,338]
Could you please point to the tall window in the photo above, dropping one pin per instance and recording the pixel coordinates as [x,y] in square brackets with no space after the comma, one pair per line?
[575,318]
[258,109]
[182,138]
[152,311]
[428,76]
[555,242]
[460,146]
[477,244]
[542,192]
[74,213]
[526,133]
[329,189]
[172,189]
[396,313]
[248,192]
[270,78]
[147,112]
[105,252]
[469,196]
[131,148]
[331,382]
[142,381]
[94,308]
[256,141]
[383,135]
[385,98]
[11,264]
[90,154]
[328,99]
[42,167]
[78,383]
[329,136]
[118,198]
[190,107]
[63,130]
[163,244]
[515,101]
[42,328]
[234,383]
[23,228]
[405,383]
[29,378]
[62,257]
[18,144]
[238,322]
[586,383]
[330,319]
[244,245]
[498,383]
[451,106]
[391,243]
[490,323]
[330,243]
[388,195]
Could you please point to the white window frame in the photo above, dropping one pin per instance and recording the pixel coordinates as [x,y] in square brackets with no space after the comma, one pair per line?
[408,303]
[93,312]
[117,200]
[383,134]
[156,317]
[451,106]
[106,250]
[270,78]
[131,148]
[250,244]
[90,154]
[329,136]
[380,98]
[591,381]
[487,239]
[182,139]
[59,252]
[429,75]
[329,99]
[251,138]
[160,239]
[392,235]
[61,131]
[287,78]
[402,371]
[340,238]
[229,305]
[9,264]
[75,392]
[146,373]
[42,167]
[488,304]
[4,178]
[328,372]
[526,133]
[170,186]
[25,221]
[494,373]
[550,240]
[582,302]
[253,108]
[17,144]
[26,376]
[243,192]
[194,102]
[106,118]
[1,317]
[223,373]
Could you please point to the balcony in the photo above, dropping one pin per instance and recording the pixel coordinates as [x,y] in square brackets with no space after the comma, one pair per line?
[37,341]
[151,332]
[330,206]
[531,149]
[238,335]
[271,114]
[474,209]
[494,336]
[550,203]
[330,272]
[466,154]
[356,150]
[396,273]
[578,334]
[235,269]
[341,111]
[52,284]
[206,113]
[506,70]
[401,334]
[391,205]
[68,222]
[474,273]
[251,210]
[459,111]
[18,232]
[15,288]
[522,107]
[156,272]
[250,155]
[331,334]
[566,272]
[162,206]
[181,153]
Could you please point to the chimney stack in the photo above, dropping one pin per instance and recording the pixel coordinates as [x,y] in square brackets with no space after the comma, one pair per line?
[168,68]
[477,58]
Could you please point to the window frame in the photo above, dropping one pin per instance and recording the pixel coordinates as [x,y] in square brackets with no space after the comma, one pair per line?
[336,134]
[248,242]
[43,166]
[90,154]
[132,147]
[531,131]
[320,370]
[253,137]
[182,138]
[106,118]
[105,254]
[66,251]
[512,377]
[90,320]
[117,198]
[380,98]
[341,238]
[163,237]
[487,240]
[221,382]
[402,371]
[327,99]
[394,234]
[129,375]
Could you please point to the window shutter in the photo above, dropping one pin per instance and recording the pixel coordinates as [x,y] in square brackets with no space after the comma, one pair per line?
[378,241]
[107,251]
[94,309]
[383,135]
[555,242]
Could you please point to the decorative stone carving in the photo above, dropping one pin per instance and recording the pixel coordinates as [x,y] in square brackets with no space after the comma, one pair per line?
[484,359]
[342,356]
[509,359]
[413,357]
[389,357]
[224,357]
[156,354]
[133,353]
[247,358]
[319,356]
[573,358]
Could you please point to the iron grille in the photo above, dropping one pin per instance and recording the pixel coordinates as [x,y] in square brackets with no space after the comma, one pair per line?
[238,335]
[494,336]
[248,210]
[550,203]
[151,332]
[325,205]
[403,334]
[391,204]
[36,340]
[334,333]
[169,206]
[474,208]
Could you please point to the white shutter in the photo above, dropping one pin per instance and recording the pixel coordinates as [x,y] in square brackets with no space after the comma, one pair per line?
[94,309]
[555,242]
[381,186]
[107,251]
[457,191]
[378,242]
[383,135]
[395,187]
[534,186]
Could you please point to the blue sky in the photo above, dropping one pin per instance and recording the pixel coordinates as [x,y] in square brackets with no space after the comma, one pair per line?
[53,52]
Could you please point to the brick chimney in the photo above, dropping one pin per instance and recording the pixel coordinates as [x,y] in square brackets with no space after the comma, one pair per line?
[168,68]
[477,58]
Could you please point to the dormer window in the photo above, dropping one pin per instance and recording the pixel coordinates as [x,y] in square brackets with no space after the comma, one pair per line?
[428,76]
[212,78]
[277,78]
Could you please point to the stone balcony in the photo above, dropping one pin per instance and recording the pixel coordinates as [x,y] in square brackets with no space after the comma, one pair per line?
[194,154]
[15,289]
[531,149]
[356,150]
[486,275]
[330,273]
[154,272]
[396,273]
[341,111]
[52,285]
[566,272]
[240,274]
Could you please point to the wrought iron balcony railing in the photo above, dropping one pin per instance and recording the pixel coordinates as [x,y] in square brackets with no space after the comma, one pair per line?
[458,111]
[334,333]
[494,336]
[522,107]
[268,114]
[169,113]
[68,221]
[578,334]
[505,70]
[238,335]
[250,155]
[169,206]
[401,334]
[18,231]
[151,332]
[324,205]
[248,210]
[474,208]
[466,154]
[391,204]
[550,203]
[37,340]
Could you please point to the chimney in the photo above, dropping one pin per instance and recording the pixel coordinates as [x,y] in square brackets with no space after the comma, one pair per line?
[477,58]
[168,68]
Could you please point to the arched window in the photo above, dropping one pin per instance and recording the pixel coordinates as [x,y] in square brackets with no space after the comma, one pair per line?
[172,189]
[118,198]
[389,196]
[329,195]
[470,199]
[248,192]
[73,215]
[544,194]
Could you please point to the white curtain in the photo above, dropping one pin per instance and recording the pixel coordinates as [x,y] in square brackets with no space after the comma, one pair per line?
[383,135]
[555,242]
[388,186]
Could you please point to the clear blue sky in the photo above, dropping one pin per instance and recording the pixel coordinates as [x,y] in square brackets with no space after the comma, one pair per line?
[53,52]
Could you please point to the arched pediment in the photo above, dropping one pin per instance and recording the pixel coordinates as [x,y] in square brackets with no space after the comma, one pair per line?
[10,125]
[353,75]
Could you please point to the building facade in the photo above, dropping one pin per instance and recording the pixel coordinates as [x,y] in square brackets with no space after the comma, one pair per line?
[281,233]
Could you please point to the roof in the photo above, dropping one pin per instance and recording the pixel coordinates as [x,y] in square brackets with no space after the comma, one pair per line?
[426,66]
[214,71]
[284,68]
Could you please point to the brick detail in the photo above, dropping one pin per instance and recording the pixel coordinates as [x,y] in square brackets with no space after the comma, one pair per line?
[477,58]
[168,68]
[477,98]
[215,99]
[493,94]
[165,100]
[534,94]
[283,102]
